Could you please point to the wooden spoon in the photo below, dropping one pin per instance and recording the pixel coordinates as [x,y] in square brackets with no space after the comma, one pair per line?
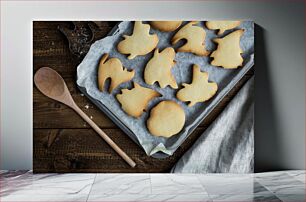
[51,84]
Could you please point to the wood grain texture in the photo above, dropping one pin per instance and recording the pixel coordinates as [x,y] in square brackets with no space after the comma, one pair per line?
[82,150]
[52,85]
[63,142]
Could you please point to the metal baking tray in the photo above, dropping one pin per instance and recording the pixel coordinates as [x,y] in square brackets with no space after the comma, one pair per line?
[236,75]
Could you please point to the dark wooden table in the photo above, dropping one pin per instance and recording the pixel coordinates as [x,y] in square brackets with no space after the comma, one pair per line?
[63,142]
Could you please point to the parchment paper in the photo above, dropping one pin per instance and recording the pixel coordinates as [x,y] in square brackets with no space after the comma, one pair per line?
[182,71]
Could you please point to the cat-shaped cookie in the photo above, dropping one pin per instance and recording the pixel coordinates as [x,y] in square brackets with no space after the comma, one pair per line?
[112,68]
[134,102]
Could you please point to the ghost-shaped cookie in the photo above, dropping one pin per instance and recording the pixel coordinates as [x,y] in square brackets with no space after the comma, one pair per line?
[135,101]
[112,68]
[141,42]
[158,69]
[195,37]
[222,26]
[200,89]
[228,53]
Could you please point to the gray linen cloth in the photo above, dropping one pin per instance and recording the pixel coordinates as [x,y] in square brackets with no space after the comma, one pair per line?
[227,145]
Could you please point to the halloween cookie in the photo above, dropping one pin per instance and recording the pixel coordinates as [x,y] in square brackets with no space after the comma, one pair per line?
[141,42]
[166,119]
[113,69]
[195,37]
[158,69]
[228,53]
[222,26]
[199,90]
[166,26]
[134,102]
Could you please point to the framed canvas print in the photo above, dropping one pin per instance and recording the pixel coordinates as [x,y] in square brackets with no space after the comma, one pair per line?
[143,96]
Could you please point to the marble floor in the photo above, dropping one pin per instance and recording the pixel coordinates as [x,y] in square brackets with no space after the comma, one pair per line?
[272,186]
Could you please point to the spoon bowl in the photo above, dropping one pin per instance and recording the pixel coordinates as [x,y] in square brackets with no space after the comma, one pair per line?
[52,85]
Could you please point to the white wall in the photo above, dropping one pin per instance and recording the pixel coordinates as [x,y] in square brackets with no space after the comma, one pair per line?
[280,72]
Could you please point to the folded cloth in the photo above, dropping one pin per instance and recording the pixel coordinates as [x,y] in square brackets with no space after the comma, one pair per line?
[227,145]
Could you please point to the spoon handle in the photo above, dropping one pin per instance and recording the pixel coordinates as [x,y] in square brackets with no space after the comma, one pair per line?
[104,136]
